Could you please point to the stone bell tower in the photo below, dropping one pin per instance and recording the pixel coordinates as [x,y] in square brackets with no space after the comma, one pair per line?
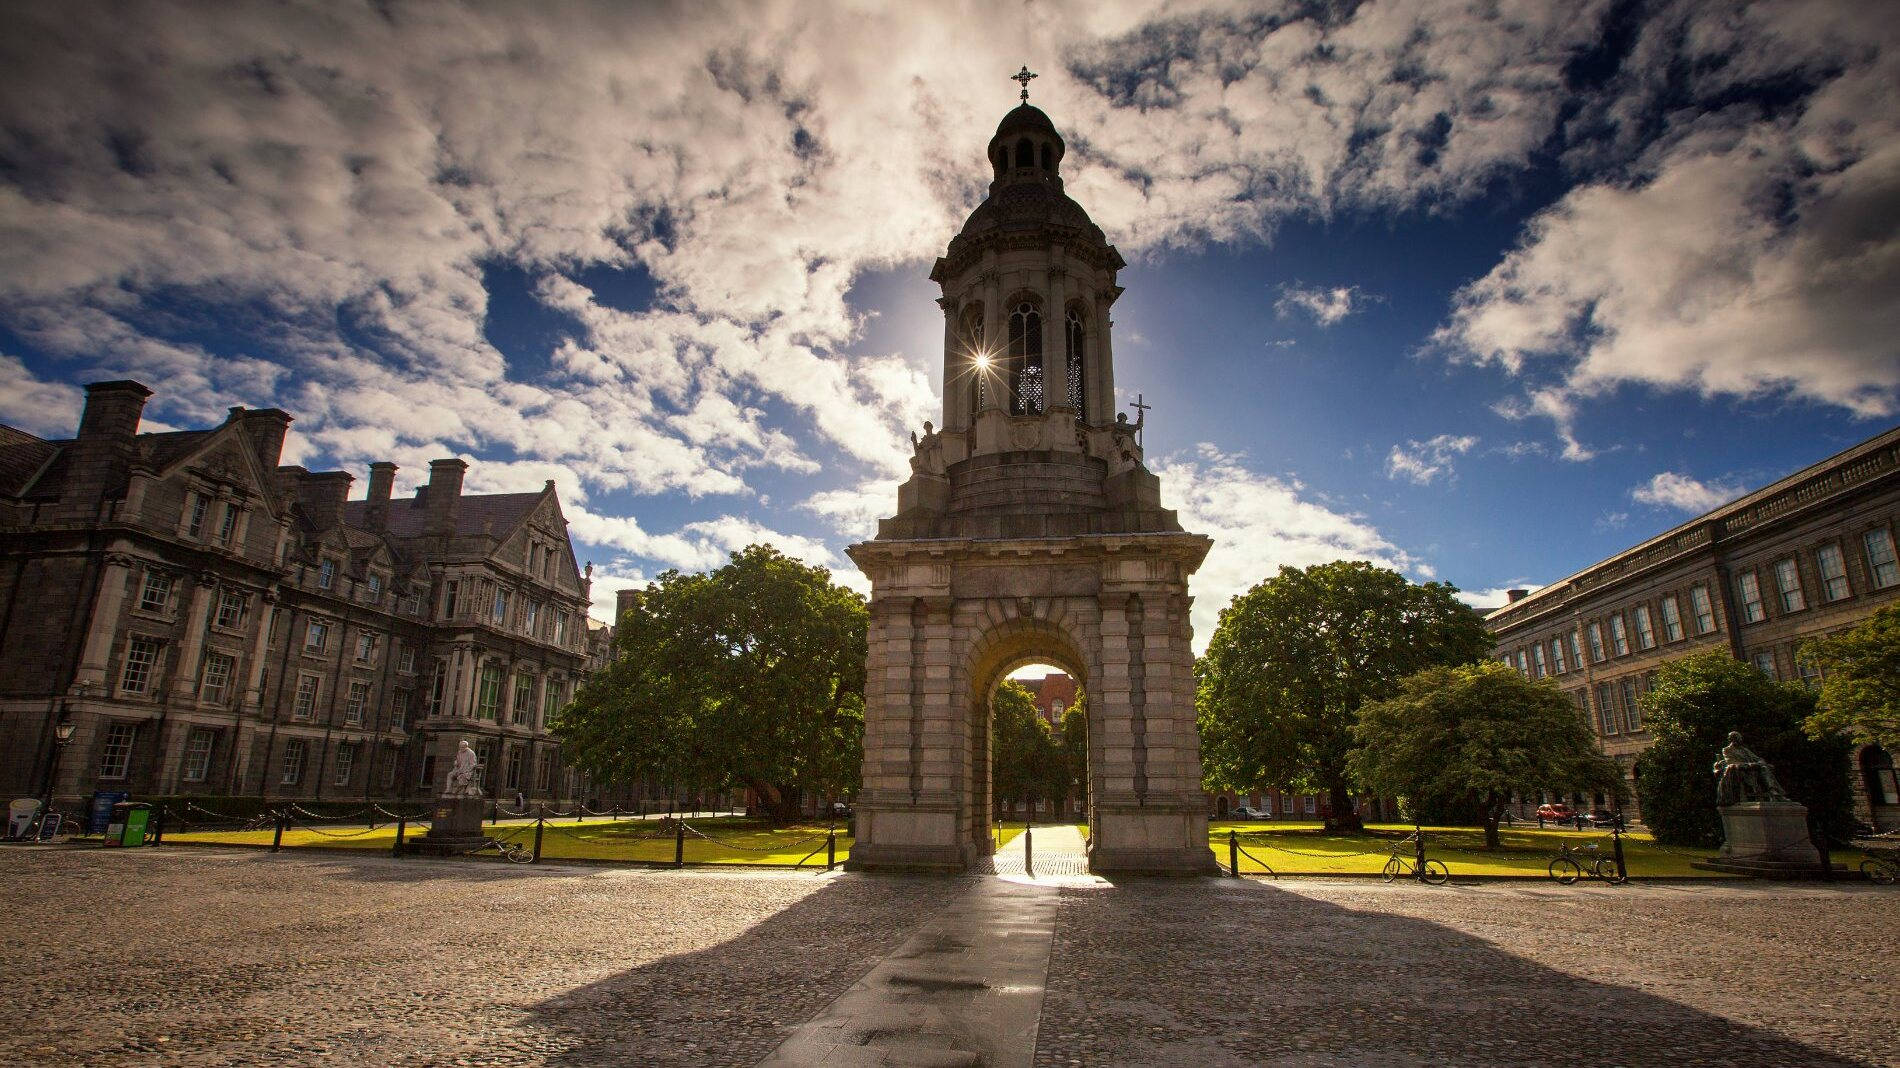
[1029,531]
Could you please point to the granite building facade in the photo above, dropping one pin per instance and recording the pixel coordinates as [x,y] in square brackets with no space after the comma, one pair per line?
[1810,555]
[210,622]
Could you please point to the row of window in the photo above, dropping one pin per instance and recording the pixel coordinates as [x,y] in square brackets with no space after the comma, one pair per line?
[1021,364]
[488,697]
[536,619]
[158,595]
[198,522]
[1637,625]
[1830,567]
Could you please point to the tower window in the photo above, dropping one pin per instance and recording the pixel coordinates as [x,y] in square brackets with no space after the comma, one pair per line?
[1025,153]
[1027,393]
[973,348]
[1073,336]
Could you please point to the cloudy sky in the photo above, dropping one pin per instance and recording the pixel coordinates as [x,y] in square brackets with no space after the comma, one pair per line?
[1481,291]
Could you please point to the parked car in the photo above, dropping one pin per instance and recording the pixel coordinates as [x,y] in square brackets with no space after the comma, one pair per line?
[1557,812]
[841,810]
[1242,812]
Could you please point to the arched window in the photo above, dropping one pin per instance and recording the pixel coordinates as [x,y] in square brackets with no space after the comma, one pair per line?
[1073,336]
[971,332]
[1025,153]
[1048,158]
[1026,392]
[1883,787]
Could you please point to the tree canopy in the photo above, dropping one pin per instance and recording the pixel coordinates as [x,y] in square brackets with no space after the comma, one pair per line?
[751,674]
[1696,701]
[1472,736]
[1860,681]
[1025,760]
[1293,660]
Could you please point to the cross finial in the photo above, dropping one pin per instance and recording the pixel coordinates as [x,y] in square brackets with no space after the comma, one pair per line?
[1022,77]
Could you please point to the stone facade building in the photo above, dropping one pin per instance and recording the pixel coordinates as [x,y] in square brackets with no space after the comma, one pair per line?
[1029,532]
[1809,555]
[210,622]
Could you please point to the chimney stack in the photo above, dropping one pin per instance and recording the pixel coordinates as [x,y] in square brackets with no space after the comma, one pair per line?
[444,495]
[382,479]
[265,427]
[102,453]
[1514,596]
[112,411]
[322,495]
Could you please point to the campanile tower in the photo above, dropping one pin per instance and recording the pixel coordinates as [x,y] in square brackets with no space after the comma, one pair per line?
[1029,532]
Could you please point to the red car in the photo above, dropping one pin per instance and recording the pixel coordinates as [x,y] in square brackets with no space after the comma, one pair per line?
[1557,812]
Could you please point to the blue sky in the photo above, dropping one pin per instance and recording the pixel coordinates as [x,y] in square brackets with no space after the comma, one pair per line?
[1484,292]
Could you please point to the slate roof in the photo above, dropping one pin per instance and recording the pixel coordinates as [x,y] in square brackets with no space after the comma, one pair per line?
[22,455]
[499,512]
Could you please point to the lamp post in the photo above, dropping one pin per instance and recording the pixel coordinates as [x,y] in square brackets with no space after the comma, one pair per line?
[62,737]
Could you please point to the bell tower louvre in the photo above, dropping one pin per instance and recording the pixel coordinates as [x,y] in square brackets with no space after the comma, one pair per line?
[1029,531]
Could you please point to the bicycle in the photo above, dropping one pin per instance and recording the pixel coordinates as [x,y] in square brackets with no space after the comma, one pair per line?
[1882,871]
[1434,874]
[1571,864]
[511,852]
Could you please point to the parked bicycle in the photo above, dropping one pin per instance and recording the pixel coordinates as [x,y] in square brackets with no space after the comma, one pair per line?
[1883,870]
[1571,864]
[1402,863]
[511,852]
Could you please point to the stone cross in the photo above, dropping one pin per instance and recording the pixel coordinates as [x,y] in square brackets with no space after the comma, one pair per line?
[1141,417]
[1023,76]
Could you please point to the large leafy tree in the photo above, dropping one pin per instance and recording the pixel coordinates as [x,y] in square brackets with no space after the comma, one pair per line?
[1294,658]
[1860,681]
[752,675]
[1026,761]
[1073,737]
[1471,737]
[1696,701]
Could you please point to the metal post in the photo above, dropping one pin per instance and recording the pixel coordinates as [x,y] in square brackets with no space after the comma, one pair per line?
[277,838]
[1616,843]
[1419,833]
[1820,845]
[831,849]
[494,811]
[679,844]
[1029,846]
[158,826]
[402,828]
[1233,854]
[539,822]
[616,811]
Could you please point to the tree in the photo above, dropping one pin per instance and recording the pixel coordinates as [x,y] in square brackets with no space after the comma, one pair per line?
[1860,681]
[1696,701]
[1026,764]
[1294,658]
[1472,736]
[1073,737]
[752,674]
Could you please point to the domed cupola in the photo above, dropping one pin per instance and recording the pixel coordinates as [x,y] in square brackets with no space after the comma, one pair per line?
[1026,148]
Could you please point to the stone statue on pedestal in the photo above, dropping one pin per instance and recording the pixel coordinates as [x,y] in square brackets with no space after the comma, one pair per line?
[461,781]
[1741,775]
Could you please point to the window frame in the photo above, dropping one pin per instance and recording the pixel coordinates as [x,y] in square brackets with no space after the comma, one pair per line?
[1702,609]
[1645,627]
[1877,567]
[303,699]
[289,773]
[326,573]
[356,703]
[116,749]
[344,767]
[162,585]
[1619,635]
[148,666]
[214,658]
[232,607]
[1832,550]
[1748,597]
[316,636]
[196,765]
[1788,592]
[1672,620]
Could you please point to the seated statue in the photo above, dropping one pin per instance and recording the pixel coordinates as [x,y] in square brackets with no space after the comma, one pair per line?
[461,780]
[1742,776]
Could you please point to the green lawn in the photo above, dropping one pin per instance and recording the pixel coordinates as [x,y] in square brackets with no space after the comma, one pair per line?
[724,840]
[1302,848]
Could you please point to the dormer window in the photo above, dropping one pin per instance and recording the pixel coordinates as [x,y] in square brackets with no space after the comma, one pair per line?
[227,529]
[326,574]
[199,510]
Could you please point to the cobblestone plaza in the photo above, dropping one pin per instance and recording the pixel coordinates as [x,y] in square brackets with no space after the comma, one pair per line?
[216,957]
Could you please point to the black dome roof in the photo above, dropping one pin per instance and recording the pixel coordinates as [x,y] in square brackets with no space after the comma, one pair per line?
[1026,117]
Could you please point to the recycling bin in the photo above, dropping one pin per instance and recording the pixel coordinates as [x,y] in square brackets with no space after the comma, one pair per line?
[128,823]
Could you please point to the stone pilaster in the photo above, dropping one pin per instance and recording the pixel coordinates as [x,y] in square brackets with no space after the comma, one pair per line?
[103,628]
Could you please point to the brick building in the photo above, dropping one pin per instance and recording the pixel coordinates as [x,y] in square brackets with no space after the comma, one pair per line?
[210,622]
[1809,555]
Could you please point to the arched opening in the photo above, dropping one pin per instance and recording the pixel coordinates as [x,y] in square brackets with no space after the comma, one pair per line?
[1027,389]
[1883,785]
[1039,654]
[976,356]
[1073,337]
[1048,158]
[1025,153]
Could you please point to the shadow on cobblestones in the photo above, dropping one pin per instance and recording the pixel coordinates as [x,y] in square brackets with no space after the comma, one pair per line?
[734,1002]
[1225,972]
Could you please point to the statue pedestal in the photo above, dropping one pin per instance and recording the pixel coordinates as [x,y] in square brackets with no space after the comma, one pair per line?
[1768,839]
[455,827]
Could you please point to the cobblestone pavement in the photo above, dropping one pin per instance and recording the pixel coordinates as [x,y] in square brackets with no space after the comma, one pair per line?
[1226,972]
[212,957]
[1058,850]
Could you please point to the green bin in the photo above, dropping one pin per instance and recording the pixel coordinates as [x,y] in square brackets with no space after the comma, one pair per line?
[128,823]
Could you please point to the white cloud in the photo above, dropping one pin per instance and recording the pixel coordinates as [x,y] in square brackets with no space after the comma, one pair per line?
[1493,599]
[1739,255]
[1259,523]
[49,409]
[1326,305]
[1672,489]
[1421,462]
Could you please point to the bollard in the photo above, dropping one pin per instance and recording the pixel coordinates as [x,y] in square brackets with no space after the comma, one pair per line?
[494,811]
[402,827]
[539,822]
[1419,856]
[1233,854]
[679,844]
[1029,845]
[277,838]
[831,849]
[616,811]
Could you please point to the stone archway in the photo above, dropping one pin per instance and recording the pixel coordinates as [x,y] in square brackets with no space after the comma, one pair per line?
[1010,645]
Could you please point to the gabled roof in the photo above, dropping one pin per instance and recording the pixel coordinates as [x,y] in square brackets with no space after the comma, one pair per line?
[22,456]
[160,451]
[493,513]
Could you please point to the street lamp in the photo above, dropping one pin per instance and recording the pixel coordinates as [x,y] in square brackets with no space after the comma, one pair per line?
[62,737]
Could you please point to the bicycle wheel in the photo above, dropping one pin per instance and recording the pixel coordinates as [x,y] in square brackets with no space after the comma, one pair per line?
[1881,872]
[1436,874]
[1565,870]
[518,854]
[1394,867]
[1606,871]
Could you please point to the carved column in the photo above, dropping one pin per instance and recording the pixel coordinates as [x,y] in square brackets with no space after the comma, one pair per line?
[104,624]
[185,678]
[260,651]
